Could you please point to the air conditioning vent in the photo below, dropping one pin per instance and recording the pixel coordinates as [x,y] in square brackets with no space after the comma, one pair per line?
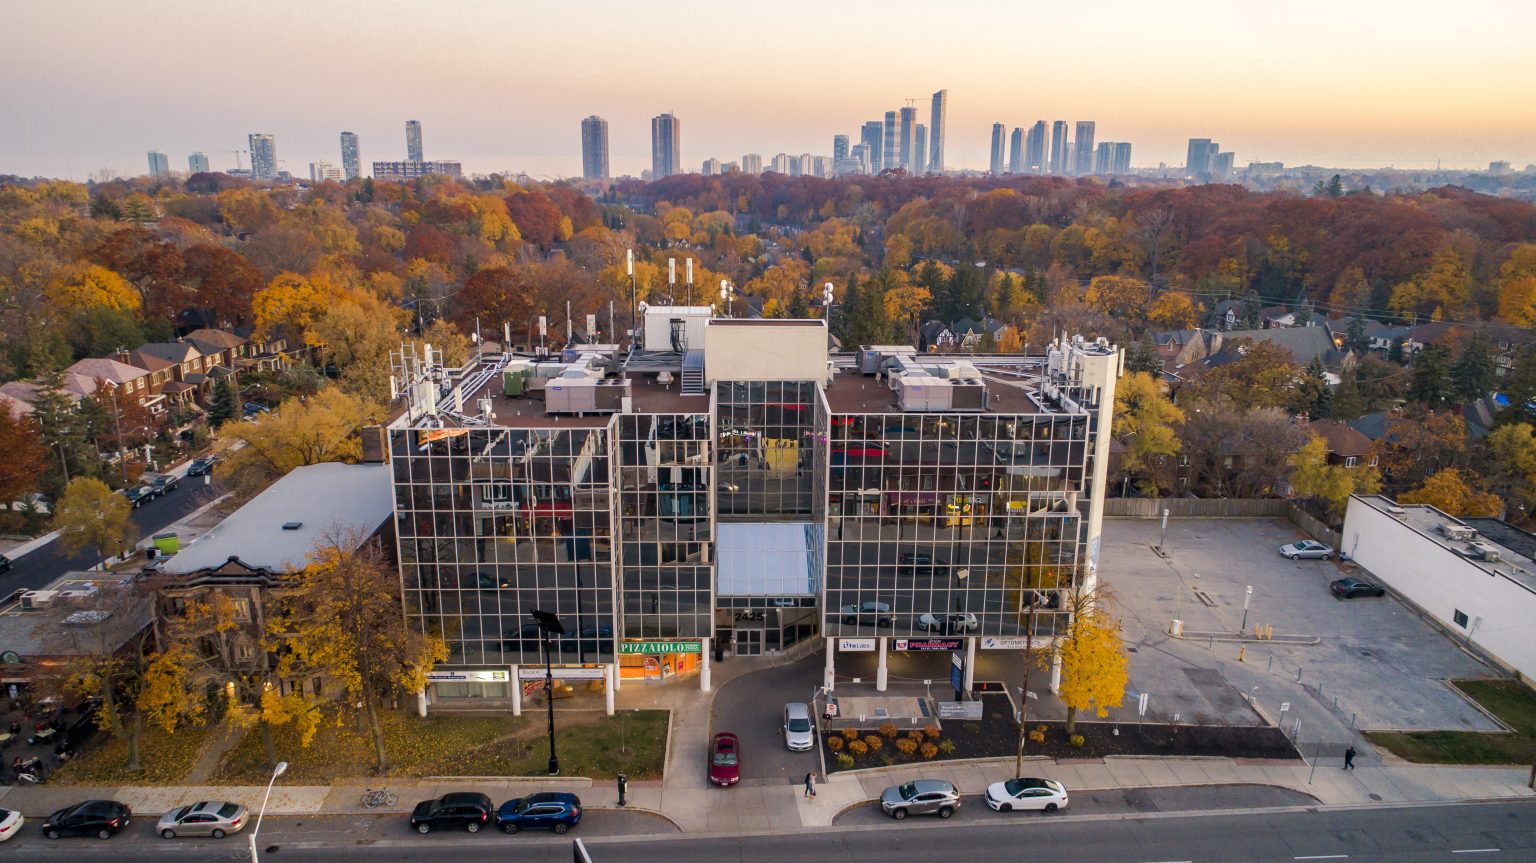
[292,525]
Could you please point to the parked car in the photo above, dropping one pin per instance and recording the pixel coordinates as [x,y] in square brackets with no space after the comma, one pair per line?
[216,818]
[100,818]
[1308,548]
[10,824]
[253,408]
[1351,587]
[957,622]
[922,561]
[202,465]
[5,563]
[548,810]
[879,612]
[1044,795]
[164,483]
[920,797]
[727,487]
[725,759]
[466,809]
[138,495]
[799,732]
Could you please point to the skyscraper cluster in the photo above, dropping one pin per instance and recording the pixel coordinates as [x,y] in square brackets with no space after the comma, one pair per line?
[1206,162]
[898,142]
[1046,149]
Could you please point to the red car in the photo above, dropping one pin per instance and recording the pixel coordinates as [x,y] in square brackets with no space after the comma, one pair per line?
[725,759]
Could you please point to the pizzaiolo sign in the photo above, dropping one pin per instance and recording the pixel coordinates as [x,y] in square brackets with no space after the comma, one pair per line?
[660,647]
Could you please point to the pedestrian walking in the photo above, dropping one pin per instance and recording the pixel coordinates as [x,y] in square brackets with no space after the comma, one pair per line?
[1349,758]
[810,785]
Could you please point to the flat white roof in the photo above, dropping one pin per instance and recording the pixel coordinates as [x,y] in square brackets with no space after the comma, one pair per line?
[766,559]
[322,498]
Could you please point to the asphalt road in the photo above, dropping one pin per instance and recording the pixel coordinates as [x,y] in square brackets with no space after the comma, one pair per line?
[41,566]
[1463,833]
[752,708]
[974,810]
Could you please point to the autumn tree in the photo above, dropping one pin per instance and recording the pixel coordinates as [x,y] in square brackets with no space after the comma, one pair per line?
[1123,297]
[1449,492]
[1418,443]
[344,619]
[1511,467]
[1142,356]
[89,286]
[1144,424]
[1173,310]
[1093,662]
[1440,292]
[290,304]
[1265,376]
[1313,477]
[355,333]
[1517,286]
[25,458]
[301,431]
[90,516]
[111,662]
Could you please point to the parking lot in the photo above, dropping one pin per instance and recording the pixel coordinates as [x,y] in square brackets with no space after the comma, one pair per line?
[1375,661]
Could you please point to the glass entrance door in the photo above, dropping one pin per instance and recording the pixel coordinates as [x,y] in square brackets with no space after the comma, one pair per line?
[749,642]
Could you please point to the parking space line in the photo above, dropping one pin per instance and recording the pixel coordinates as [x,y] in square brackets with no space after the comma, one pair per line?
[1322,857]
[1476,850]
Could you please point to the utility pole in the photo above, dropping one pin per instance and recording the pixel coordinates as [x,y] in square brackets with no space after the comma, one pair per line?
[117,426]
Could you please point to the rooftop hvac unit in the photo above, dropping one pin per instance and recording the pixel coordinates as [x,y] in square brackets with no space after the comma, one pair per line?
[1458,532]
[87,618]
[1485,552]
[36,600]
[1397,510]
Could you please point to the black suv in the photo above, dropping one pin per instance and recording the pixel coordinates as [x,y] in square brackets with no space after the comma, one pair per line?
[467,810]
[921,562]
[100,818]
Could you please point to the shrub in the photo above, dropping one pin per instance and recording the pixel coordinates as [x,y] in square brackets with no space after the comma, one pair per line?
[933,732]
[835,744]
[1037,736]
[1075,740]
[887,760]
[916,734]
[947,747]
[906,746]
[850,733]
[857,747]
[972,727]
[889,731]
[874,742]
[844,760]
[929,751]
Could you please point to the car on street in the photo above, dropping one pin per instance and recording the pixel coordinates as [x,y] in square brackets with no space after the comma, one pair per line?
[202,465]
[1043,795]
[558,811]
[1351,587]
[5,563]
[100,818]
[956,622]
[216,818]
[877,612]
[10,824]
[799,732]
[138,495]
[725,759]
[1306,548]
[727,487]
[465,810]
[253,408]
[921,562]
[920,797]
[164,483]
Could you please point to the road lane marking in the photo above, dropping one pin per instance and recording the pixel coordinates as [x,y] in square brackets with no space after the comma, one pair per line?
[1477,851]
[1323,857]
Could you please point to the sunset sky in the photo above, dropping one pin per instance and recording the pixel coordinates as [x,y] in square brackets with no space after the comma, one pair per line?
[504,85]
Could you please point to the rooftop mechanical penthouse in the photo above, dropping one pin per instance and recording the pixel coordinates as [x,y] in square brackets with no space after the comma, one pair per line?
[732,479]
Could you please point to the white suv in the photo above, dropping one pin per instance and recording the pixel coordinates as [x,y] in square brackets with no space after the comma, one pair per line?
[799,731]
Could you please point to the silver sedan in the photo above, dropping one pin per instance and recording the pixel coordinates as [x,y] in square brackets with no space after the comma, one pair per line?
[216,818]
[1307,548]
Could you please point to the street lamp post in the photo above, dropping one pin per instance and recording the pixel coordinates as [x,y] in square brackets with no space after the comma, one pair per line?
[282,767]
[549,624]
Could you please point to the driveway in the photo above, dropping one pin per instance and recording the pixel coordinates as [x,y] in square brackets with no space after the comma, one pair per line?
[752,707]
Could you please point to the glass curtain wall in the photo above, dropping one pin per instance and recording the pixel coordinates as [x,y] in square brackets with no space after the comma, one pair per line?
[765,451]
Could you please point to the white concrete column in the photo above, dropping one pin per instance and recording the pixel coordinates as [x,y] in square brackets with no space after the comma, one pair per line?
[703,665]
[1056,674]
[610,672]
[970,663]
[880,671]
[421,702]
[829,676]
[517,693]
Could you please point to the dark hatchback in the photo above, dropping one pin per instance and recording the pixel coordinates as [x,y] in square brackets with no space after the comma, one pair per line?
[921,562]
[1349,588]
[548,810]
[138,495]
[464,811]
[100,818]
[200,466]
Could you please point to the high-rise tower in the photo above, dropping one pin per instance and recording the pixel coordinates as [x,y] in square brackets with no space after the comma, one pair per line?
[666,146]
[351,156]
[998,130]
[594,148]
[413,140]
[937,126]
[1034,149]
[1016,151]
[1059,147]
[1082,146]
[263,149]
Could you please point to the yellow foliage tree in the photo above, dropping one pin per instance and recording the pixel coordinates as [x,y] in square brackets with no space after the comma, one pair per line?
[1448,492]
[1173,310]
[1443,290]
[356,332]
[88,286]
[1119,296]
[1312,476]
[90,516]
[290,303]
[1144,421]
[1093,664]
[321,428]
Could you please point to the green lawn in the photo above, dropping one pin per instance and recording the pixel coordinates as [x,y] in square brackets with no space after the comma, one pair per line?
[164,757]
[450,745]
[1510,700]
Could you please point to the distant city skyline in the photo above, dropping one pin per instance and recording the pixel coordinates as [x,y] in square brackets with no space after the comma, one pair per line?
[1269,87]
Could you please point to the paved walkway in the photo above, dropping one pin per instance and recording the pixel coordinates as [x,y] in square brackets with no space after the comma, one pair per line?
[687,800]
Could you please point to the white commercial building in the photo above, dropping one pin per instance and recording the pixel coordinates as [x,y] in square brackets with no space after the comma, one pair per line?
[1476,576]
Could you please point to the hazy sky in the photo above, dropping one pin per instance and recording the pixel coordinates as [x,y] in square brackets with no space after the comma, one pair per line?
[503,85]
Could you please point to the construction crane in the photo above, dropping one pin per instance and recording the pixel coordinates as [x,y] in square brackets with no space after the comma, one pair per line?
[237,157]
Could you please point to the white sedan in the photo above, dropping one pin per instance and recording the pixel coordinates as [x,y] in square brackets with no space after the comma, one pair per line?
[1045,795]
[10,824]
[958,622]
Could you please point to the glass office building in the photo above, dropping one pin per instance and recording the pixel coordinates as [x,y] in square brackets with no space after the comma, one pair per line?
[729,485]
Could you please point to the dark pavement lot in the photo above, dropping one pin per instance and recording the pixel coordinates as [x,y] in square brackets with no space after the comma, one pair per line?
[1113,802]
[1400,834]
[752,707]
